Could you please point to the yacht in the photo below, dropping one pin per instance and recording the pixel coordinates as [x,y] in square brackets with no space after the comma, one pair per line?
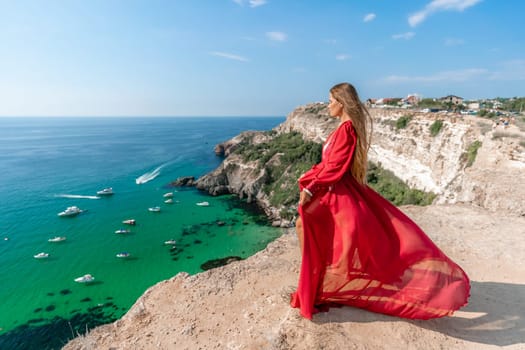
[105,192]
[123,255]
[168,195]
[169,201]
[129,222]
[70,211]
[154,209]
[122,230]
[56,239]
[41,255]
[203,204]
[170,242]
[85,279]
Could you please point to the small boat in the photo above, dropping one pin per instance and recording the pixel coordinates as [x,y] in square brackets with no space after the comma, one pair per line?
[105,192]
[129,222]
[154,209]
[85,279]
[169,201]
[203,204]
[168,195]
[123,255]
[170,242]
[57,239]
[70,211]
[41,255]
[122,231]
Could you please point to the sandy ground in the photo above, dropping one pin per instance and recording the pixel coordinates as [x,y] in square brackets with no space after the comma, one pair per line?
[245,305]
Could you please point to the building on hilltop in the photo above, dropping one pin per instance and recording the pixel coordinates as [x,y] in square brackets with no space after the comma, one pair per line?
[452,99]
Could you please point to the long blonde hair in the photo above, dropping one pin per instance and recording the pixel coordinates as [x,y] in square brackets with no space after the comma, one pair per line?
[347,95]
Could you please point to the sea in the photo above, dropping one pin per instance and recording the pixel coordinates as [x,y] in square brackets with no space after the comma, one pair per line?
[50,164]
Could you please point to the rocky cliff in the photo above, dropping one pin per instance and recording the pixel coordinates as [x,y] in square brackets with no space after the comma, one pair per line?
[433,163]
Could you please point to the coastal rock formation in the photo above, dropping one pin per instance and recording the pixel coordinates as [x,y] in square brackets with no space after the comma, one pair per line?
[430,163]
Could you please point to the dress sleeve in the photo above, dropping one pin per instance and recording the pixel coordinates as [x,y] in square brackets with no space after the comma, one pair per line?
[337,160]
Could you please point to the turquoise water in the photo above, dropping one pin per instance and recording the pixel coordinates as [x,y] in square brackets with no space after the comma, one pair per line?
[49,164]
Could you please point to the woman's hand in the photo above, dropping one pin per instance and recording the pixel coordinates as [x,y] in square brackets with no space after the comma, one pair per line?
[304,197]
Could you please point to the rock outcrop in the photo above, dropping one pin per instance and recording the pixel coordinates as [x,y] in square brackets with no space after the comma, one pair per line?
[430,163]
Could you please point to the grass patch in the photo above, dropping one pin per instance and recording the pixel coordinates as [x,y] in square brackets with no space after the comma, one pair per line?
[470,155]
[394,189]
[435,128]
[403,121]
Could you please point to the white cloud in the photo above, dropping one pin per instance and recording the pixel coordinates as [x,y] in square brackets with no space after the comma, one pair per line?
[454,42]
[510,70]
[406,36]
[459,75]
[437,6]
[229,56]
[276,36]
[251,3]
[256,3]
[369,17]
[342,57]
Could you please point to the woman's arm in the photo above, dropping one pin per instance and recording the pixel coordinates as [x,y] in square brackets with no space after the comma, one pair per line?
[338,158]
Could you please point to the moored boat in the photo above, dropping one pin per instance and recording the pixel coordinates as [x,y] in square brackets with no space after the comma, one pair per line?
[41,255]
[122,231]
[203,204]
[123,255]
[105,192]
[129,222]
[57,239]
[87,278]
[70,211]
[170,242]
[168,195]
[169,201]
[154,209]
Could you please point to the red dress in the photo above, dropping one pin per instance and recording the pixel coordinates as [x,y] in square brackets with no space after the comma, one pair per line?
[360,250]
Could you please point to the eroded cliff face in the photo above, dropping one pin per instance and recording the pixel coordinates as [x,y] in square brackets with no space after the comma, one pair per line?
[437,163]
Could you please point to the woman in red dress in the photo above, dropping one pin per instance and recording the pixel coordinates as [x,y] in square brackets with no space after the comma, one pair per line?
[357,248]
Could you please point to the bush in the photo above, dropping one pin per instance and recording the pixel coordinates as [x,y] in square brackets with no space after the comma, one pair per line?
[470,155]
[394,189]
[435,128]
[403,121]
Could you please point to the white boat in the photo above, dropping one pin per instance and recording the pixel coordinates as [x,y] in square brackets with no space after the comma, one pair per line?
[123,255]
[154,209]
[168,195]
[41,255]
[203,204]
[57,239]
[170,242]
[169,201]
[71,211]
[85,279]
[105,192]
[129,222]
[122,231]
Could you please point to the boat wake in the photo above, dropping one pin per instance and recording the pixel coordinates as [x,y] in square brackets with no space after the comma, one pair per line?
[76,196]
[147,177]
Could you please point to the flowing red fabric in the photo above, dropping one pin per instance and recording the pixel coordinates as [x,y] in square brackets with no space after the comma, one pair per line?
[360,250]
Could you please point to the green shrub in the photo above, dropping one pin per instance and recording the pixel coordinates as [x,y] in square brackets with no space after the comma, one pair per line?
[435,128]
[394,189]
[470,155]
[403,121]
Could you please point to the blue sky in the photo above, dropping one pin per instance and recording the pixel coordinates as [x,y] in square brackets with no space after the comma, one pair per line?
[250,57]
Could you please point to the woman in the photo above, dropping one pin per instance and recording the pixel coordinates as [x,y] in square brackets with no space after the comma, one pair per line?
[357,248]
